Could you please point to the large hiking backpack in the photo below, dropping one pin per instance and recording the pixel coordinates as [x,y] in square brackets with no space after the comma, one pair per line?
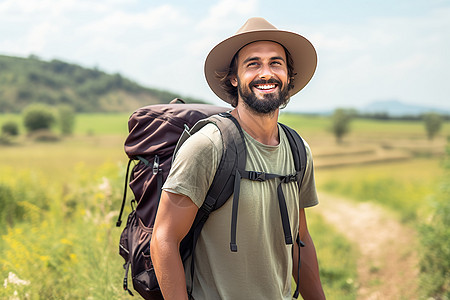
[155,134]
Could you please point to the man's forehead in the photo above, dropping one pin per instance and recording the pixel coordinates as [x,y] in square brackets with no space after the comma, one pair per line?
[259,48]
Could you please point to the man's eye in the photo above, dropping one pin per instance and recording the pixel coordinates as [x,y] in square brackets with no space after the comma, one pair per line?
[252,64]
[276,63]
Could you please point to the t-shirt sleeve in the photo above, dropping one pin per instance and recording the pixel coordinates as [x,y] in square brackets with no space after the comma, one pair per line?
[308,193]
[195,164]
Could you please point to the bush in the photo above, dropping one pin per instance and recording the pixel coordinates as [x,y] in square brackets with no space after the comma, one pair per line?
[38,116]
[10,128]
[66,118]
[435,255]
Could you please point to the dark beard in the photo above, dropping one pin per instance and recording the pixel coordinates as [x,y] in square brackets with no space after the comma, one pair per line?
[270,103]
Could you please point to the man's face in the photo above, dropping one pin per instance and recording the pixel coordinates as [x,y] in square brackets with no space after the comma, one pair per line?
[262,76]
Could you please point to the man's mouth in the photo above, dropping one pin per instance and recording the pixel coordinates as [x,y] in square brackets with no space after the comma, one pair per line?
[265,87]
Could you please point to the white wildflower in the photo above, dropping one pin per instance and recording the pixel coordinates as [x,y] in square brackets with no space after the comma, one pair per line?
[14,279]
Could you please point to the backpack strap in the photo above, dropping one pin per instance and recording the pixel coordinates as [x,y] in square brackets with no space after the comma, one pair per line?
[234,155]
[300,159]
[119,219]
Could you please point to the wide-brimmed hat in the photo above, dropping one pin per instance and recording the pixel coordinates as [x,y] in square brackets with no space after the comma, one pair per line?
[258,29]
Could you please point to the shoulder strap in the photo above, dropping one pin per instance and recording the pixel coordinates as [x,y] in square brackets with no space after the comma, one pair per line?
[299,153]
[234,156]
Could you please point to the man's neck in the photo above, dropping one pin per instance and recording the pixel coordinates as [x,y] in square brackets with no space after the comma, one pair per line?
[262,127]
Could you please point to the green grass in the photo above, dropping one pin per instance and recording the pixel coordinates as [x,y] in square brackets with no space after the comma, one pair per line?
[101,124]
[309,126]
[404,186]
[336,258]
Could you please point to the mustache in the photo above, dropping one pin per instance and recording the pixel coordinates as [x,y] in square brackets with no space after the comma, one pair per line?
[262,81]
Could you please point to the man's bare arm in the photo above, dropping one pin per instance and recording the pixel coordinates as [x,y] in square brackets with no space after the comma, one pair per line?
[175,216]
[310,285]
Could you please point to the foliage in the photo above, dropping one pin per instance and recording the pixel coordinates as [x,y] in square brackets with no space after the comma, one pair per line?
[10,128]
[341,122]
[433,123]
[66,118]
[30,80]
[435,254]
[37,117]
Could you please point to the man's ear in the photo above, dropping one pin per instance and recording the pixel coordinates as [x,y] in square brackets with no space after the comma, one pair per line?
[233,81]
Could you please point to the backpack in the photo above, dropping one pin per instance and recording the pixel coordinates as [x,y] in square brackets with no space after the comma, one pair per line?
[155,134]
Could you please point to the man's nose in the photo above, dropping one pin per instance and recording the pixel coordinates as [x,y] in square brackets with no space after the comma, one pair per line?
[265,72]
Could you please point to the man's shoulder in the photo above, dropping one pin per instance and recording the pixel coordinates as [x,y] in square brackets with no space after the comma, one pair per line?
[206,137]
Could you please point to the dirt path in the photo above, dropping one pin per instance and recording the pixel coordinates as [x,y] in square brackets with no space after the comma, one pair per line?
[387,264]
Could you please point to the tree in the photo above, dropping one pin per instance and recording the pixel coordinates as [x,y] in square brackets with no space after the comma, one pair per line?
[341,122]
[66,118]
[433,124]
[38,116]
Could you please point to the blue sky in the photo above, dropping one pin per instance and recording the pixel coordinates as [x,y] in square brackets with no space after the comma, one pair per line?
[368,50]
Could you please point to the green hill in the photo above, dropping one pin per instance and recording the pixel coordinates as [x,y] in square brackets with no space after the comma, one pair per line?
[29,80]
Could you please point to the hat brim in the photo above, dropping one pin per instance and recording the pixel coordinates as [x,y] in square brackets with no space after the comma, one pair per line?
[301,50]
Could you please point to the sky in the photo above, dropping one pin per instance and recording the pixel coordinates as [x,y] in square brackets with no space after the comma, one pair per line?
[368,50]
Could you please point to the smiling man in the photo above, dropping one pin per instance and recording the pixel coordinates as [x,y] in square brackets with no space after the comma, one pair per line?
[256,70]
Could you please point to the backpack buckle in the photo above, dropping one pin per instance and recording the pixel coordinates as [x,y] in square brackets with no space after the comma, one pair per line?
[257,176]
[290,178]
[156,165]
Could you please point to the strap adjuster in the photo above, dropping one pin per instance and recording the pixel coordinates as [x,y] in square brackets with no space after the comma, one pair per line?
[156,168]
[290,178]
[256,176]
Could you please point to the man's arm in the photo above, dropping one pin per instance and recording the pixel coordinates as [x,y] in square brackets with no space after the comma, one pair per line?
[174,218]
[310,285]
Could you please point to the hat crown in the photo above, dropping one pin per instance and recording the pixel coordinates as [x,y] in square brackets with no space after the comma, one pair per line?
[256,23]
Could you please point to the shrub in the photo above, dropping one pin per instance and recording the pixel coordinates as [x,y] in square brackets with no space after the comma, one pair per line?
[10,128]
[38,116]
[66,118]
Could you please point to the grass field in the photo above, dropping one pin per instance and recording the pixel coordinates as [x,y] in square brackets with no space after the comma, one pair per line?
[60,201]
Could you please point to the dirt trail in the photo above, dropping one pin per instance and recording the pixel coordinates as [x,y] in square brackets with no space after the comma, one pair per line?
[387,264]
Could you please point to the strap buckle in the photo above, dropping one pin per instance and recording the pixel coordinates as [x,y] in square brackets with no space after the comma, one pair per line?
[290,178]
[257,176]
[156,168]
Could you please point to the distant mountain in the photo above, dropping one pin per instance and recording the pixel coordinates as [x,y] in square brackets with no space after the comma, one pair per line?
[397,108]
[30,80]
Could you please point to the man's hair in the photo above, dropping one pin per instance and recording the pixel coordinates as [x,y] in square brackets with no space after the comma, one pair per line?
[232,91]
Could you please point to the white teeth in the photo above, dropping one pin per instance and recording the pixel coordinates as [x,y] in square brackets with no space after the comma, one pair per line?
[266,86]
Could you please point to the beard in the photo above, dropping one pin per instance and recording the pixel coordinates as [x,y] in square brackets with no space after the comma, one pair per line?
[269,102]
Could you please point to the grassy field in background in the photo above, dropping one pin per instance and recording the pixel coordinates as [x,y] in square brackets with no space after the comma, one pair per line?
[65,196]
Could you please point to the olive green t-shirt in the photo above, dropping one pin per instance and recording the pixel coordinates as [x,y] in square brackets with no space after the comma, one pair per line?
[262,266]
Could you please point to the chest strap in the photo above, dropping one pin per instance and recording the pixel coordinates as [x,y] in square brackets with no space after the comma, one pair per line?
[261,176]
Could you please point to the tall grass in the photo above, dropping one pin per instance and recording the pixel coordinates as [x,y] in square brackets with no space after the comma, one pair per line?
[65,245]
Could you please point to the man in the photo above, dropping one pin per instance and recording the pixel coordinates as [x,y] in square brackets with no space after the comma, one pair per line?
[256,71]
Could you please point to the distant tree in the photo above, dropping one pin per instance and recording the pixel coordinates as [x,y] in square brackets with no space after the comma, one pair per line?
[10,128]
[341,122]
[433,124]
[38,116]
[66,119]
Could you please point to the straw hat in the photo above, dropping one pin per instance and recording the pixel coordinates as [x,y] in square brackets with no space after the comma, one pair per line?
[258,29]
